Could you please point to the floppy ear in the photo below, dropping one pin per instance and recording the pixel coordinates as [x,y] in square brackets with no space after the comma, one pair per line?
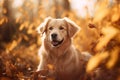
[72,27]
[43,26]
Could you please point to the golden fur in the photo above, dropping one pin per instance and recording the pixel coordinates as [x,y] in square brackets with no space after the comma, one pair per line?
[65,62]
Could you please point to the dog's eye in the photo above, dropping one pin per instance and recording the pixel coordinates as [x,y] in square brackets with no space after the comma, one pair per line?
[50,28]
[61,28]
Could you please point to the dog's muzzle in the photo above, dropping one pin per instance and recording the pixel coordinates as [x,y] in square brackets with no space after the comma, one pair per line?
[55,41]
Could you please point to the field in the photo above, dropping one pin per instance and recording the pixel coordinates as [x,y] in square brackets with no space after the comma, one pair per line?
[20,42]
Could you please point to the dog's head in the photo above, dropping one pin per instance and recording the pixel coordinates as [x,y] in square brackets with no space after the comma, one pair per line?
[57,30]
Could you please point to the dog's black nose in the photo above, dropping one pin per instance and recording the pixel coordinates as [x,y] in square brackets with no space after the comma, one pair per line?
[54,36]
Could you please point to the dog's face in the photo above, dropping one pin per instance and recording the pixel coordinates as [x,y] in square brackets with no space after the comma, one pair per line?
[57,33]
[57,30]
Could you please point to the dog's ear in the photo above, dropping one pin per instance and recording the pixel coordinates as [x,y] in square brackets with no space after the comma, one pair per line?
[43,26]
[72,27]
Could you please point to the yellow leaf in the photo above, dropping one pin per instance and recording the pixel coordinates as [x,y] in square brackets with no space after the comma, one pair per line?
[2,21]
[4,11]
[21,27]
[38,40]
[101,10]
[113,57]
[25,37]
[11,46]
[30,30]
[115,17]
[100,15]
[18,19]
[50,66]
[32,47]
[96,60]
[26,23]
[109,33]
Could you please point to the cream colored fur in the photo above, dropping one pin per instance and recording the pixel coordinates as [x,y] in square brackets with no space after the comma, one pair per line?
[66,61]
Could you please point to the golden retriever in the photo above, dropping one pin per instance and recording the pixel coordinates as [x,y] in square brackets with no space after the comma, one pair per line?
[57,52]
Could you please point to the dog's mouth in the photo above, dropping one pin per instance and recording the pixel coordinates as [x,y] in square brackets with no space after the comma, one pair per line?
[56,42]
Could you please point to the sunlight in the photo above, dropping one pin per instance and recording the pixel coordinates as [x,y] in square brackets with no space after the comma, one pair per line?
[83,7]
[17,3]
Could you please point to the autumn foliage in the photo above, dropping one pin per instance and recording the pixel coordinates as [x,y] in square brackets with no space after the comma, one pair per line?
[19,40]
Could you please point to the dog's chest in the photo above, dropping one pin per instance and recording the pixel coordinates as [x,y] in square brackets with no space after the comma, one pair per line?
[63,68]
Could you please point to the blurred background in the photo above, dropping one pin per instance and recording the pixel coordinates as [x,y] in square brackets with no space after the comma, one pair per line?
[99,21]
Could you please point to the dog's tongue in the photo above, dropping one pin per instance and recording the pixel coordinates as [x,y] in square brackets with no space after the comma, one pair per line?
[55,43]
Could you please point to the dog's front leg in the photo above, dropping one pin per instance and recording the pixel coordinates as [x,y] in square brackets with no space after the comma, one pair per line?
[43,63]
[42,70]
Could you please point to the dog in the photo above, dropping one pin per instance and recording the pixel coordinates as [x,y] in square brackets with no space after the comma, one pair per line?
[57,52]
